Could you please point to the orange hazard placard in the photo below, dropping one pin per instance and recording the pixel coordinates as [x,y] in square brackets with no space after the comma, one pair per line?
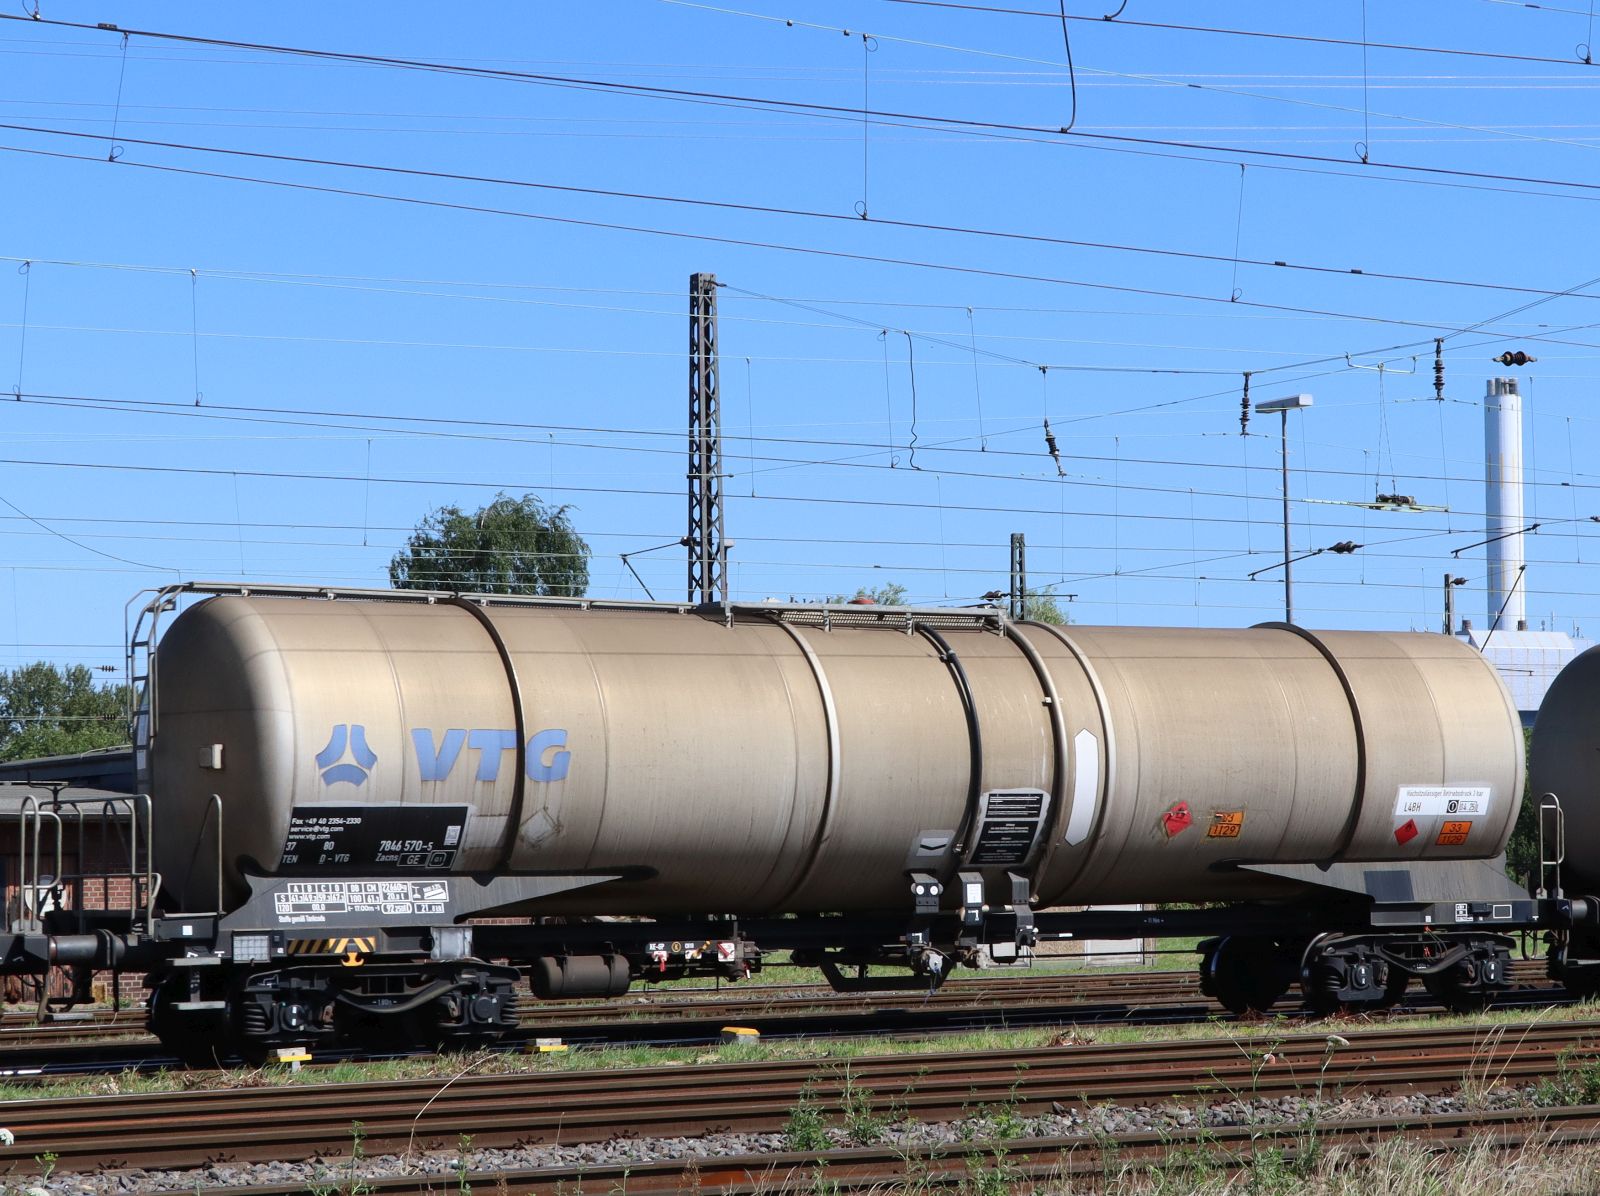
[1453,834]
[1225,824]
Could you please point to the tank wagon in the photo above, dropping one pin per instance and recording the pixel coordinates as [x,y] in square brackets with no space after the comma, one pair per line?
[1565,780]
[376,812]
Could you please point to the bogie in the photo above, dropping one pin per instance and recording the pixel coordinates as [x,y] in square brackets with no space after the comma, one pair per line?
[250,1013]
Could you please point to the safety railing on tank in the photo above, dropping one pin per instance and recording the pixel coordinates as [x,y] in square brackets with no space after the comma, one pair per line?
[142,631]
[142,626]
[126,827]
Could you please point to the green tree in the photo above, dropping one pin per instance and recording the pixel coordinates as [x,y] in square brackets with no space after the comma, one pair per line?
[889,594]
[1042,607]
[56,710]
[511,546]
[1522,851]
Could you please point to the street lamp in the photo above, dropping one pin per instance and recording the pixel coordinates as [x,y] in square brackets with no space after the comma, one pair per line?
[1283,406]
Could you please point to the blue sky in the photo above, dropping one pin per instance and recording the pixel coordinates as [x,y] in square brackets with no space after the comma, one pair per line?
[358,361]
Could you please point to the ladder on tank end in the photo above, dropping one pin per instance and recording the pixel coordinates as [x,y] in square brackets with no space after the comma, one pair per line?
[141,621]
[1552,846]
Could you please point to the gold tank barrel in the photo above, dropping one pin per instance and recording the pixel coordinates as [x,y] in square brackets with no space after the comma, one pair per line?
[809,759]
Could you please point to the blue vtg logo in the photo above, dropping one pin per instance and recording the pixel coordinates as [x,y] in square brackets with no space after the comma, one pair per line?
[351,739]
[547,758]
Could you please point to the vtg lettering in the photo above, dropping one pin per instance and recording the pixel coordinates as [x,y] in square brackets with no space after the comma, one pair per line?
[547,759]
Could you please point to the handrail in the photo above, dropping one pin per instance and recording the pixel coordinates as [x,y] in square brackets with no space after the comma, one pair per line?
[217,798]
[1550,867]
[214,807]
[144,883]
[27,817]
[32,816]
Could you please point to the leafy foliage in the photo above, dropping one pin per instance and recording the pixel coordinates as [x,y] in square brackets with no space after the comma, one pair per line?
[55,710]
[889,594]
[511,546]
[1042,607]
[1522,851]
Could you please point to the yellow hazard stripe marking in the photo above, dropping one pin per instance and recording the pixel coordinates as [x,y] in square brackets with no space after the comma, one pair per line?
[361,945]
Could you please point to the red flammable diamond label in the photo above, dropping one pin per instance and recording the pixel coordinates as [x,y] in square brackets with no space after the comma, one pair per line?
[1177,819]
[1406,832]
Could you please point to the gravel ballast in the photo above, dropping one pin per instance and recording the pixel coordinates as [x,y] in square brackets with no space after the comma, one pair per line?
[1095,1124]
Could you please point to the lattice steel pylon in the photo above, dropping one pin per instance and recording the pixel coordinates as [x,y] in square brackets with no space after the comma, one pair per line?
[708,560]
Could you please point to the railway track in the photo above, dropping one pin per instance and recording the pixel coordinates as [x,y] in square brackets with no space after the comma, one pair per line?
[297,1122]
[1018,1162]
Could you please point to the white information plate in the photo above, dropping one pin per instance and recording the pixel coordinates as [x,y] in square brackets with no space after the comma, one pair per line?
[1449,801]
[310,902]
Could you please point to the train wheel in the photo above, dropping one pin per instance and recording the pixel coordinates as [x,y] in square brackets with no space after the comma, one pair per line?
[1394,988]
[1574,965]
[196,1039]
[1321,989]
[1247,975]
[1326,979]
[1583,982]
[1454,989]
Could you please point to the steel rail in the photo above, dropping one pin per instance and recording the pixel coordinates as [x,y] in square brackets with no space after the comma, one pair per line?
[1021,1161]
[191,1128]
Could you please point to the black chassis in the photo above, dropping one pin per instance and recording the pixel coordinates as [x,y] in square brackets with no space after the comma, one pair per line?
[245,978]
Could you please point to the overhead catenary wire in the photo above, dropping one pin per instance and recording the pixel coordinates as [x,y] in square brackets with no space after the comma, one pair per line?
[700,96]
[772,245]
[751,243]
[813,250]
[1188,81]
[788,462]
[1191,554]
[624,491]
[772,104]
[60,535]
[814,540]
[1310,39]
[432,426]
[1234,259]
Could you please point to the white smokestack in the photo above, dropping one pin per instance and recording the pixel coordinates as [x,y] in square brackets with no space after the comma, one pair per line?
[1502,433]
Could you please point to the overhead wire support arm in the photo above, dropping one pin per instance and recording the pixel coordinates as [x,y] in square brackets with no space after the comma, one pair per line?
[626,560]
[1343,548]
[1500,614]
[1532,527]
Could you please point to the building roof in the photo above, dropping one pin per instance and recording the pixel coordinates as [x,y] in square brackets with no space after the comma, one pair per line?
[1527,661]
[106,768]
[92,802]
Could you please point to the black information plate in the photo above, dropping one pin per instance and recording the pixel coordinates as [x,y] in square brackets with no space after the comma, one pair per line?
[1009,824]
[374,838]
